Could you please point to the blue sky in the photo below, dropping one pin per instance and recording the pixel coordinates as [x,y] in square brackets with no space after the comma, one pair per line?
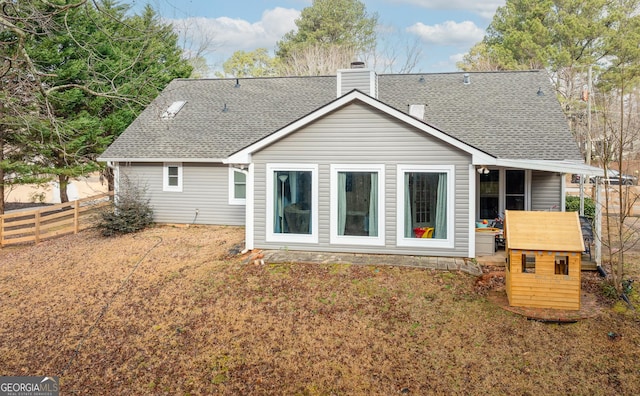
[443,29]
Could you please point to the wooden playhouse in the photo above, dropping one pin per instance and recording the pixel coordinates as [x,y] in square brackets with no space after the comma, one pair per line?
[544,251]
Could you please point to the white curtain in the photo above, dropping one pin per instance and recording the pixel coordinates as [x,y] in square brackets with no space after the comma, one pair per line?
[440,231]
[342,202]
[373,206]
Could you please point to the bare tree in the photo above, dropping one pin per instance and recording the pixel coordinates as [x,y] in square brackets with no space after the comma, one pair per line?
[619,126]
[318,59]
[196,42]
[395,53]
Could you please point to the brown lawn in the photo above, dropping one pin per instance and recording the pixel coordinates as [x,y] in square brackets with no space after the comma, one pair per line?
[172,311]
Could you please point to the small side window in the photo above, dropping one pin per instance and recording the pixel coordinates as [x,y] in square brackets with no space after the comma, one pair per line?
[172,177]
[237,186]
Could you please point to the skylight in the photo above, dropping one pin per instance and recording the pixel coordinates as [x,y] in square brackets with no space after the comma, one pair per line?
[173,109]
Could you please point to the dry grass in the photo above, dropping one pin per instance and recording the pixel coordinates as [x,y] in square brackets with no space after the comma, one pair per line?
[191,320]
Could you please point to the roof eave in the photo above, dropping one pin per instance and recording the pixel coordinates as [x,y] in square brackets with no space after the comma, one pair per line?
[560,166]
[146,159]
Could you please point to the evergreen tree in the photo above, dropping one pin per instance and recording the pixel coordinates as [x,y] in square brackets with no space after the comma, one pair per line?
[330,23]
[95,68]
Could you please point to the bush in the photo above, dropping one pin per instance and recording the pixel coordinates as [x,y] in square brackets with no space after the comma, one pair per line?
[131,212]
[572,204]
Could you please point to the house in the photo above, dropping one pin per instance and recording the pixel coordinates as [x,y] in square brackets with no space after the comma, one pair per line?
[354,162]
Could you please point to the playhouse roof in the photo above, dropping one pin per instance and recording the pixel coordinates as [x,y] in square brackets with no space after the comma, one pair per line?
[543,231]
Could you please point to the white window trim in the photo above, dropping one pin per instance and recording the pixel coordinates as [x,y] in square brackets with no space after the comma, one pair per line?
[449,241]
[336,239]
[271,236]
[232,187]
[165,177]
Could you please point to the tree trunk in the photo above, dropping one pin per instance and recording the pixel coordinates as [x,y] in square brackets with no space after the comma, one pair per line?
[1,191]
[63,182]
[1,176]
[619,271]
[108,174]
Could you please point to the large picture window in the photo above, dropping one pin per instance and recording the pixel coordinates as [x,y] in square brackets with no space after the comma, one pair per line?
[292,202]
[357,204]
[425,206]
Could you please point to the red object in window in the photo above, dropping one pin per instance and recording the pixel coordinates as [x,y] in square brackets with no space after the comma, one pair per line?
[419,232]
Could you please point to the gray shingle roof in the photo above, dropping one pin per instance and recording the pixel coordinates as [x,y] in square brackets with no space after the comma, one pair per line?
[499,113]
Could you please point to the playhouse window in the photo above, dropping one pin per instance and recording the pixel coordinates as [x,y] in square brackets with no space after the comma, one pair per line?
[562,265]
[528,263]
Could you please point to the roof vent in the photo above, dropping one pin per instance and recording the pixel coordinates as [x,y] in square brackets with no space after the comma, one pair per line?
[357,65]
[466,79]
[173,109]
[417,111]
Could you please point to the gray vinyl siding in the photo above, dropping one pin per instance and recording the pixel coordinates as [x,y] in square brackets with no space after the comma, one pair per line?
[546,190]
[358,79]
[357,134]
[205,187]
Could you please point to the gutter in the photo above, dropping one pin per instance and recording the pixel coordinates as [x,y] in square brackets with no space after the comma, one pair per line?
[196,160]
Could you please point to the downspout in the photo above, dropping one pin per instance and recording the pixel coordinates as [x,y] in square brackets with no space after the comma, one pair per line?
[249,221]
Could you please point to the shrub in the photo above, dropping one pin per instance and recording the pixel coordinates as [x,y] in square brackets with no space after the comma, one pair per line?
[130,212]
[609,290]
[572,204]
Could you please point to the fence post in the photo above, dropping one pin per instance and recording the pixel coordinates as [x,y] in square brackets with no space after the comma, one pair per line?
[76,216]
[36,220]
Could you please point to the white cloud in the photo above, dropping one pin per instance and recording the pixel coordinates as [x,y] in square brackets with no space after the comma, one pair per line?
[227,35]
[455,58]
[448,33]
[484,8]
